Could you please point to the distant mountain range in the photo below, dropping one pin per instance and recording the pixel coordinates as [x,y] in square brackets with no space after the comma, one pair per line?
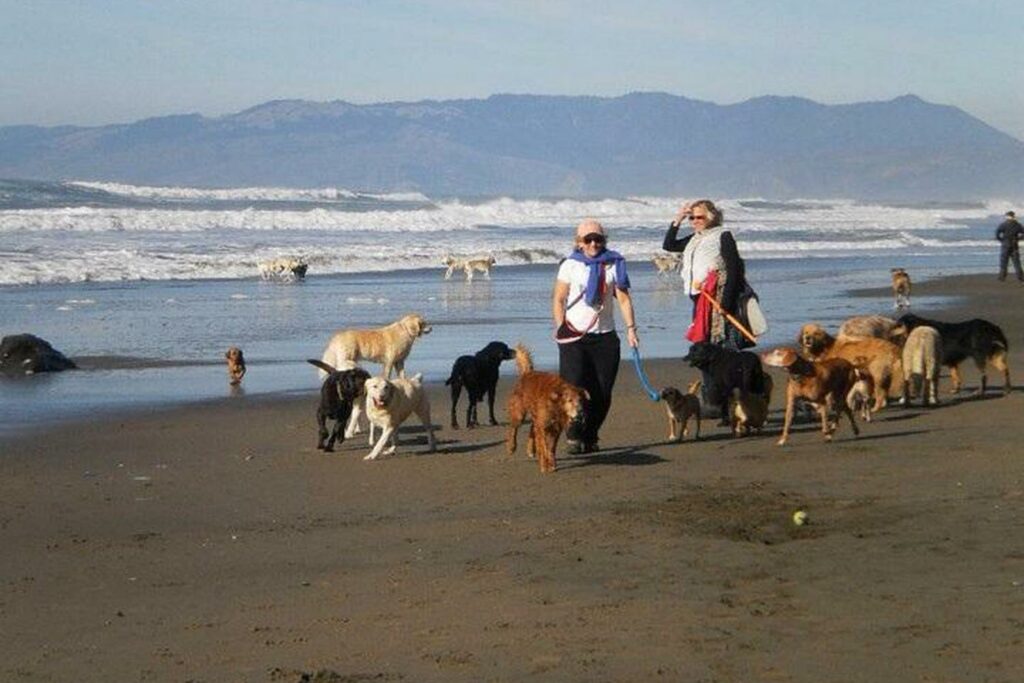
[528,145]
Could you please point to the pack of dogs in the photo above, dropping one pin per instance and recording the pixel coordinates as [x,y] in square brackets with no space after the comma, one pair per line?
[850,375]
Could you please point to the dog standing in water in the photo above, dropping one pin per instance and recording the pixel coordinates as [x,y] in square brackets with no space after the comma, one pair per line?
[236,365]
[900,288]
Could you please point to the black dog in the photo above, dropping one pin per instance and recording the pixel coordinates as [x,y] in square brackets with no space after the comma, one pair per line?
[977,339]
[479,374]
[338,393]
[27,354]
[725,371]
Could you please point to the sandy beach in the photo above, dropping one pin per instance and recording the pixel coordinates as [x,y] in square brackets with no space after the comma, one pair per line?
[215,543]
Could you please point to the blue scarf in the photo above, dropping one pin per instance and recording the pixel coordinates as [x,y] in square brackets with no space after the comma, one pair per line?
[594,280]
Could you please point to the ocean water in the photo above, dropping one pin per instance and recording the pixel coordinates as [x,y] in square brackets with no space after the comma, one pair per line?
[169,276]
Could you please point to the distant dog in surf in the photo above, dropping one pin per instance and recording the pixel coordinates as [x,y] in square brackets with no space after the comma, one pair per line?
[236,365]
[666,265]
[482,264]
[900,288]
[284,269]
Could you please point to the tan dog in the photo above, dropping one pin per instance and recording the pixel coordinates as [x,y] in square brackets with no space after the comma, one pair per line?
[389,403]
[680,408]
[922,360]
[286,269]
[900,288]
[389,345]
[665,265]
[483,264]
[824,384]
[861,395]
[236,365]
[552,405]
[749,413]
[877,326]
[879,357]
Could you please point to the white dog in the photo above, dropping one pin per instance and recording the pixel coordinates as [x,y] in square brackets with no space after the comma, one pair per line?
[389,403]
[482,263]
[285,269]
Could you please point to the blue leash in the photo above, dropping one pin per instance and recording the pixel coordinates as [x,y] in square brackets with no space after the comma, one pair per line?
[643,378]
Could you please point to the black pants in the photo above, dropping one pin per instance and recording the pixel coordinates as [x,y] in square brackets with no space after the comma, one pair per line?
[592,364]
[1005,255]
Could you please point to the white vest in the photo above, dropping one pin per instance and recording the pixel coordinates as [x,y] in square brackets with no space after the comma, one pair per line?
[703,254]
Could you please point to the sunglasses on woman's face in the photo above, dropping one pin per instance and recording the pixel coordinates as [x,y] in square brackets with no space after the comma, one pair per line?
[698,217]
[594,238]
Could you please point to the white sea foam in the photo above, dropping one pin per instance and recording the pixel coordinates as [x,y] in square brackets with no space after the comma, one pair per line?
[82,243]
[324,194]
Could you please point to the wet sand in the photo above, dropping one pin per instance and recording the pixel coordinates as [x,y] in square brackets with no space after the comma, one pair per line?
[214,543]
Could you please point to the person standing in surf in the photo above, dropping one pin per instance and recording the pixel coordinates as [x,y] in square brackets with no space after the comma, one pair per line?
[589,347]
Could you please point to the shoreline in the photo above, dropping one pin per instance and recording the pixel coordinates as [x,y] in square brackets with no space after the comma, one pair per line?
[213,542]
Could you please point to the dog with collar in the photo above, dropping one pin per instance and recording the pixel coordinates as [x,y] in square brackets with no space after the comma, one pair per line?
[340,391]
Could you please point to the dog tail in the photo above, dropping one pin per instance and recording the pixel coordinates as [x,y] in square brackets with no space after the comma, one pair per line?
[524,361]
[322,365]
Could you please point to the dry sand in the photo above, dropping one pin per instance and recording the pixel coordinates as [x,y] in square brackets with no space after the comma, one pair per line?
[214,543]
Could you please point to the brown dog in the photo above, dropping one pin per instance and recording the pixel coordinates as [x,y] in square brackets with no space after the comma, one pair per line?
[236,365]
[552,405]
[389,345]
[680,408]
[900,288]
[824,384]
[879,357]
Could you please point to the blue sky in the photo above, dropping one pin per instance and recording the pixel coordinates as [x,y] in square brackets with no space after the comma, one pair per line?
[105,61]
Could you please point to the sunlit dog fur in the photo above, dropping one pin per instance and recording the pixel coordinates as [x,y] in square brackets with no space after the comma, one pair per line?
[679,408]
[861,396]
[286,269]
[877,326]
[900,288]
[879,357]
[551,403]
[922,361]
[824,384]
[389,345]
[749,413]
[468,266]
[665,265]
[236,365]
[388,404]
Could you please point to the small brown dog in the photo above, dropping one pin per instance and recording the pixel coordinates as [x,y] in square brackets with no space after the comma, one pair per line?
[236,365]
[748,413]
[680,408]
[552,405]
[900,288]
[824,384]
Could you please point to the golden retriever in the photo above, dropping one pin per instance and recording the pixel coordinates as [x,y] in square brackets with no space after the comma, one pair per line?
[389,403]
[389,345]
[879,357]
[236,365]
[552,405]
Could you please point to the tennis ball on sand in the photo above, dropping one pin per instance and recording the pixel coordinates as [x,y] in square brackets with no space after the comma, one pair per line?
[800,518]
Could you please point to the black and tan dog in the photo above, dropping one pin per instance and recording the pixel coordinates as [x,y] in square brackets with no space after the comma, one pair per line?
[727,370]
[977,339]
[679,408]
[339,392]
[479,374]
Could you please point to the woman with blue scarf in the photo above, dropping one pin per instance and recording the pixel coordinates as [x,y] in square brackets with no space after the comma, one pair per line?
[588,351]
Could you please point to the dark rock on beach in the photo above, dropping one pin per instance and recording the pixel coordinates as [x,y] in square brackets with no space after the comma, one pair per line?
[27,354]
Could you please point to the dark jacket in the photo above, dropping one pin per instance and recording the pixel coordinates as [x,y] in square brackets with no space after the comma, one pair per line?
[734,272]
[1009,233]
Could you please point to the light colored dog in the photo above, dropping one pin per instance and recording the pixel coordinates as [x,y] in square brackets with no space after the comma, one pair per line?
[285,269]
[389,403]
[900,288]
[236,365]
[481,263]
[876,326]
[922,360]
[389,345]
[679,408]
[665,265]
[861,395]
